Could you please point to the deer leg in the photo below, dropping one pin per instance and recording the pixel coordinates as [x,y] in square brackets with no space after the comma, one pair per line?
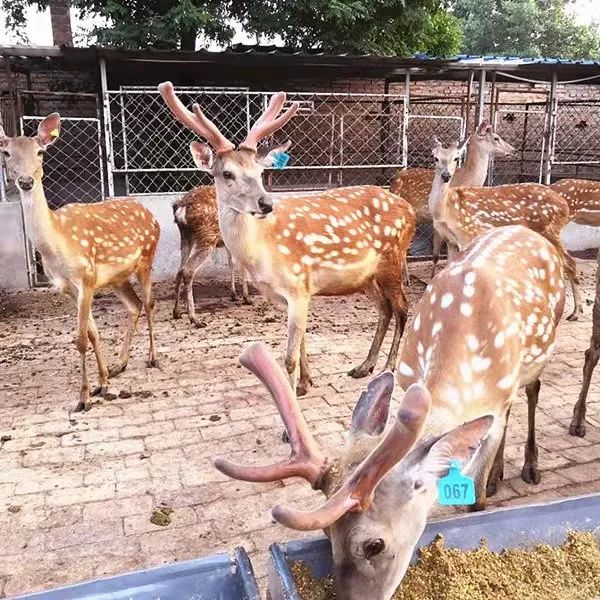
[231,275]
[452,251]
[133,304]
[185,252]
[497,473]
[195,260]
[245,294]
[297,318]
[94,338]
[530,473]
[400,310]
[305,381]
[592,354]
[437,249]
[572,273]
[385,316]
[84,307]
[145,278]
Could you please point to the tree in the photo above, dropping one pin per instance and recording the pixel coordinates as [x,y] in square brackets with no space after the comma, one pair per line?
[386,27]
[525,28]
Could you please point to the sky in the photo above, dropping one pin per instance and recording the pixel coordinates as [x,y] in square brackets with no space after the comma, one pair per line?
[40,34]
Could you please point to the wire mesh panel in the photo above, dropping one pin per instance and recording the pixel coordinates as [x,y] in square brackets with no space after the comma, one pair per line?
[523,126]
[73,170]
[338,139]
[576,140]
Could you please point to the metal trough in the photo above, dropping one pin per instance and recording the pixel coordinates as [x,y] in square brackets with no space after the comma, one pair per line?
[519,527]
[218,577]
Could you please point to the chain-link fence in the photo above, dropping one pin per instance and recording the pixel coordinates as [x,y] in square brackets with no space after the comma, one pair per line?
[338,139]
[576,149]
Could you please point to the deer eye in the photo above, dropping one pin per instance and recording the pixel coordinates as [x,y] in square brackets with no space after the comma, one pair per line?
[496,138]
[418,484]
[228,175]
[456,159]
[41,153]
[6,153]
[372,548]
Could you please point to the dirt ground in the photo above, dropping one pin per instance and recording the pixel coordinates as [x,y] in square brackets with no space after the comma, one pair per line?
[77,491]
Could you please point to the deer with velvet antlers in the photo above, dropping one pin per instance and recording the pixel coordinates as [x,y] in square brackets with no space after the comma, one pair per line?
[336,242]
[485,327]
[85,247]
[461,214]
[414,184]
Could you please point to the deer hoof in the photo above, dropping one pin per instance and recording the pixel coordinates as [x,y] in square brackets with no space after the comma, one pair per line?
[153,363]
[285,438]
[176,314]
[302,389]
[361,371]
[100,390]
[477,507]
[83,406]
[530,474]
[247,300]
[198,323]
[116,370]
[491,489]
[577,429]
[574,316]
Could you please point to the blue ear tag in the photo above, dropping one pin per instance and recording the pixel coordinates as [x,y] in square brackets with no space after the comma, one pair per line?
[280,160]
[456,488]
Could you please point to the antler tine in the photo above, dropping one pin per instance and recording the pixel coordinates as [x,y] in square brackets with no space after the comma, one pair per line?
[198,123]
[357,492]
[306,460]
[267,124]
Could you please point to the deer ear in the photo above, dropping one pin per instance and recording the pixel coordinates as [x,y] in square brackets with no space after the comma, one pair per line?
[372,410]
[203,156]
[266,154]
[461,443]
[49,129]
[436,144]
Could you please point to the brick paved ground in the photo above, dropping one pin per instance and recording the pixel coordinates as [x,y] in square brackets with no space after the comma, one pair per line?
[77,491]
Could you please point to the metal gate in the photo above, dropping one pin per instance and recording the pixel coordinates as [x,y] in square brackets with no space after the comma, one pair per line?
[524,126]
[73,171]
[338,139]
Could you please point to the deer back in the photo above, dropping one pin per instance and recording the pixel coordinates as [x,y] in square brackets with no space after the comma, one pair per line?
[583,198]
[486,325]
[414,186]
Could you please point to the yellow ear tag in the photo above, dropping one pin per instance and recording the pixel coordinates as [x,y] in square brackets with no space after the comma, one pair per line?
[55,133]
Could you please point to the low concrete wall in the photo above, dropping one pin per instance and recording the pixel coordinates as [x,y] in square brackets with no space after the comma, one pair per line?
[13,263]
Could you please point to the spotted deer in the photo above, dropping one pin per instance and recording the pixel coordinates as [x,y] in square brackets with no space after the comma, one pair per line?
[85,247]
[583,198]
[196,217]
[485,327]
[461,214]
[336,242]
[414,184]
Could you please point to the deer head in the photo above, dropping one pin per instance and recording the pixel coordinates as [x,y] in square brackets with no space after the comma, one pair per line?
[24,155]
[237,172]
[446,159]
[491,143]
[379,488]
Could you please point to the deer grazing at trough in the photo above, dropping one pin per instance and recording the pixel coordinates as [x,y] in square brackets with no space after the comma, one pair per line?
[583,198]
[85,247]
[485,327]
[196,217]
[414,184]
[337,242]
[461,214]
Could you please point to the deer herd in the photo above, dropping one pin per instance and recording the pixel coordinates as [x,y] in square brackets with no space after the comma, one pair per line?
[485,326]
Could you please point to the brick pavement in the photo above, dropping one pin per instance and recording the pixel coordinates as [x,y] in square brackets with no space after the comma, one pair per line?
[77,491]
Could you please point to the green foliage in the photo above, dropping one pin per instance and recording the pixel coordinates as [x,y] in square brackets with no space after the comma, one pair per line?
[526,28]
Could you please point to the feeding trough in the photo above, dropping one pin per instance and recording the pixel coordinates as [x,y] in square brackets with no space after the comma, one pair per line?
[218,577]
[503,528]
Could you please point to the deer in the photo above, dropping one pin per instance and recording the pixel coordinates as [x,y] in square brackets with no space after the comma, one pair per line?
[461,214]
[86,247]
[335,242]
[195,215]
[583,198]
[414,184]
[485,327]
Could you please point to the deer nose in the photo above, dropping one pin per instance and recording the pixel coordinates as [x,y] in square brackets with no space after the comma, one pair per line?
[25,183]
[446,177]
[265,205]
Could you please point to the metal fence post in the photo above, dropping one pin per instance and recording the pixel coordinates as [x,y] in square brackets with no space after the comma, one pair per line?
[550,134]
[107,128]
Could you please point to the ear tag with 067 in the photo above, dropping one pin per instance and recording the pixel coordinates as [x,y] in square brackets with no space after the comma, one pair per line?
[456,489]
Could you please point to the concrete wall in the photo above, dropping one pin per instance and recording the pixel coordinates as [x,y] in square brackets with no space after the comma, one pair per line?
[13,263]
